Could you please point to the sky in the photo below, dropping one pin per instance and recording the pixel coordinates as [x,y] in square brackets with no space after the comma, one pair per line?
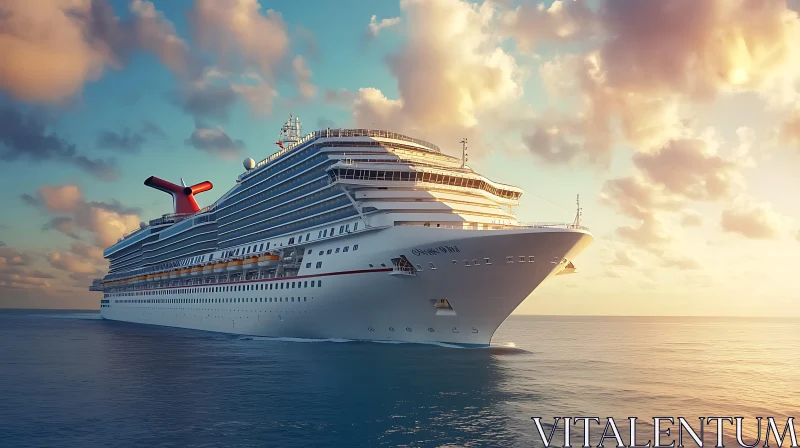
[677,122]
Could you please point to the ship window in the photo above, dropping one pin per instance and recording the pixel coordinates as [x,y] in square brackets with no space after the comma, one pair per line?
[292,284]
[383,265]
[305,284]
[300,239]
[329,251]
[324,233]
[355,246]
[319,283]
[355,226]
[267,246]
[308,265]
[309,251]
[320,234]
[347,228]
[308,236]
[312,283]
[321,252]
[281,285]
[319,264]
[337,250]
[291,240]
[270,286]
[333,230]
[260,248]
[346,248]
[341,229]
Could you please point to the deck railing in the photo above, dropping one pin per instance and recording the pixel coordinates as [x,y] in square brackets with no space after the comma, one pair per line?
[338,133]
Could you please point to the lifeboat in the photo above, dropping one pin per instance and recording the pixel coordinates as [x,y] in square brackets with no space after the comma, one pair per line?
[234,265]
[268,260]
[137,279]
[219,268]
[208,269]
[175,273]
[197,270]
[150,277]
[250,263]
[184,272]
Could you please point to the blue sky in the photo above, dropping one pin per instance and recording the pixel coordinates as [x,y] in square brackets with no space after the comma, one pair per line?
[559,98]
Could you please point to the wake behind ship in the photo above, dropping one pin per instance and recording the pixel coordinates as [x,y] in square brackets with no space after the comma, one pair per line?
[344,233]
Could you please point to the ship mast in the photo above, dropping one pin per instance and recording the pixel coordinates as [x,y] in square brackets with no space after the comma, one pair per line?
[290,131]
[579,213]
[463,152]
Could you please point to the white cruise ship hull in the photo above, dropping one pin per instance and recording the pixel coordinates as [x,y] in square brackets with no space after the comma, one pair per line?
[361,302]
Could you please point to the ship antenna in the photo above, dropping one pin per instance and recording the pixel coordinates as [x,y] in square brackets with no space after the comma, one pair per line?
[579,213]
[463,152]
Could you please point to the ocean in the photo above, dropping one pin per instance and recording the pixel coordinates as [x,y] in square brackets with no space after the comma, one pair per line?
[71,379]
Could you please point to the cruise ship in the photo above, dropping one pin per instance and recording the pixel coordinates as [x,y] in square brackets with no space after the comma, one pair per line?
[354,234]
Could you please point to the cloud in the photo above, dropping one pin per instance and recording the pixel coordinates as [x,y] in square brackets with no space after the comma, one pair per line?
[797,237]
[302,78]
[214,141]
[104,221]
[307,42]
[691,168]
[634,80]
[680,262]
[157,34]
[375,26]
[752,220]
[208,97]
[691,218]
[63,224]
[789,132]
[67,261]
[240,35]
[698,48]
[82,263]
[341,96]
[212,95]
[451,70]
[637,198]
[17,272]
[25,136]
[50,53]
[563,21]
[323,123]
[127,140]
[625,258]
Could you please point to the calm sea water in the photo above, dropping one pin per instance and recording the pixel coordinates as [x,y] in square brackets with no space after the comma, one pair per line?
[72,379]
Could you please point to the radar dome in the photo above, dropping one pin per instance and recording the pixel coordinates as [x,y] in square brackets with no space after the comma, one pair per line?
[249,164]
[142,225]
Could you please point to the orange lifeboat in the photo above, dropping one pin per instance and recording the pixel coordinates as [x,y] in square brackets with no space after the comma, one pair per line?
[234,265]
[219,267]
[268,260]
[150,277]
[208,269]
[184,272]
[250,262]
[175,273]
[197,270]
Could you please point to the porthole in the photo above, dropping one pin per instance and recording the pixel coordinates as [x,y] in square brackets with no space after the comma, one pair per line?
[408,329]
[391,328]
[431,330]
[371,329]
